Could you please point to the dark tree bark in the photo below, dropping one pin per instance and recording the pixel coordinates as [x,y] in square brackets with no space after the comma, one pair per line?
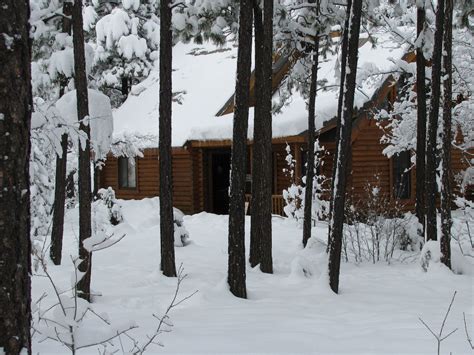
[57,229]
[344,49]
[15,118]
[55,251]
[343,147]
[308,197]
[421,122]
[84,183]
[446,181]
[431,151]
[166,178]
[236,263]
[261,222]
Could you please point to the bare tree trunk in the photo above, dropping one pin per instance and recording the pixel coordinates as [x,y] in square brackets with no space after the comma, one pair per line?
[55,250]
[57,229]
[421,122]
[431,151]
[166,174]
[261,224]
[15,118]
[446,181]
[236,264]
[343,143]
[84,183]
[344,49]
[308,197]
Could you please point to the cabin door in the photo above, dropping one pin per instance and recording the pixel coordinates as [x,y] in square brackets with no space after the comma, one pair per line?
[220,181]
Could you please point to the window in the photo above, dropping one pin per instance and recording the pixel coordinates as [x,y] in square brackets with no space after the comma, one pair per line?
[127,173]
[401,175]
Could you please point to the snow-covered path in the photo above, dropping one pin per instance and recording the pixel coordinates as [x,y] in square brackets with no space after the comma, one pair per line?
[290,311]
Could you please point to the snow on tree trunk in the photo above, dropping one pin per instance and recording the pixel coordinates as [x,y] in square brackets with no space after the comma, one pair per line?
[15,117]
[431,147]
[80,79]
[261,204]
[343,144]
[446,180]
[236,265]
[166,178]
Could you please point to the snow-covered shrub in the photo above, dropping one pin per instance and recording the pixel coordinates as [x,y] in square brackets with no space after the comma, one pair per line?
[431,256]
[107,196]
[181,235]
[293,196]
[376,227]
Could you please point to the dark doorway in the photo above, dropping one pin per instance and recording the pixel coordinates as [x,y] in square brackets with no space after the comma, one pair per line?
[220,173]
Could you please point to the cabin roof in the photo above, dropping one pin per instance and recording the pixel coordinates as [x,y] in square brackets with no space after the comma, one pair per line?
[204,79]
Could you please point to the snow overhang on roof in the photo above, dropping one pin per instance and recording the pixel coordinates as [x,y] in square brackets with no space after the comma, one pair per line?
[204,79]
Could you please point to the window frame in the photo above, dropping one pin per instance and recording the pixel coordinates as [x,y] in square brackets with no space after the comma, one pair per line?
[120,184]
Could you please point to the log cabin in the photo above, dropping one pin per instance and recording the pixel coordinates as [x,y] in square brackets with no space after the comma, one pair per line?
[203,82]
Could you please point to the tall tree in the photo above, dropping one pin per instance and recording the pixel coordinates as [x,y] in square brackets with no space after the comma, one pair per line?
[344,49]
[421,117]
[84,183]
[166,178]
[261,222]
[431,151]
[236,248]
[446,181]
[57,229]
[343,147]
[308,197]
[15,118]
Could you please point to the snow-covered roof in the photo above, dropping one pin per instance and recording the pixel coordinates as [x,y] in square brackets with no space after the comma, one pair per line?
[204,78]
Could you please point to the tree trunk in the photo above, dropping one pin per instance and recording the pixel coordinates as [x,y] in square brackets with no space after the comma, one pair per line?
[421,123]
[344,48]
[84,183]
[57,229]
[308,197]
[446,181]
[343,147]
[236,263]
[261,224]
[166,178]
[15,118]
[431,151]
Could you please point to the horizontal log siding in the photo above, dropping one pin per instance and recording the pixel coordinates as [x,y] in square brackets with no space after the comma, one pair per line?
[148,178]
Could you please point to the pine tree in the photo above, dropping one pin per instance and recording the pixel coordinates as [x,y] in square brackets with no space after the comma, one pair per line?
[261,203]
[343,147]
[80,80]
[446,181]
[344,49]
[421,117]
[166,178]
[236,264]
[431,147]
[61,163]
[308,202]
[15,118]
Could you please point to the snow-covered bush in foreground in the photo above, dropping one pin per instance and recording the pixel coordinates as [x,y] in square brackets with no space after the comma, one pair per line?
[431,257]
[376,227]
[107,196]
[181,235]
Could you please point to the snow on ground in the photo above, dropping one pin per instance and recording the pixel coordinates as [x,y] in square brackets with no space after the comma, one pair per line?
[290,311]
